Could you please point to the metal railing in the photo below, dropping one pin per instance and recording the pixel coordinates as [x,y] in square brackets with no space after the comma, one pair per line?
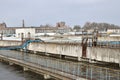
[77,69]
[108,44]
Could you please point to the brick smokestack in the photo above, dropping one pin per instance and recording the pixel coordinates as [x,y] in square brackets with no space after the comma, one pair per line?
[23,24]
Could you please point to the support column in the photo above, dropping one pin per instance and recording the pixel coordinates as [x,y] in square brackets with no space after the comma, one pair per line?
[25,69]
[21,50]
[46,76]
[10,63]
[79,59]
[34,52]
[62,56]
[0,60]
[92,61]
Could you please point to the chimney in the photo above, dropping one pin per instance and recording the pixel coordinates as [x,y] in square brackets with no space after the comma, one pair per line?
[23,24]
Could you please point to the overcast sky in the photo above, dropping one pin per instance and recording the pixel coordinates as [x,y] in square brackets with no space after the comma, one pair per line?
[73,12]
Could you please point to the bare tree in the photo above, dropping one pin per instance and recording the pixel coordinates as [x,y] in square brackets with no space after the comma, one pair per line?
[77,27]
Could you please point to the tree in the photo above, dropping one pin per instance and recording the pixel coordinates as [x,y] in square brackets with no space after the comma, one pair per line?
[100,26]
[77,27]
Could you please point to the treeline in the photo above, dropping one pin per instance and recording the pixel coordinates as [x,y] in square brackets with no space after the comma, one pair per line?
[95,25]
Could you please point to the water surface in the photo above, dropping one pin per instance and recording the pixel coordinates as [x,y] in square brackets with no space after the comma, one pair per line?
[8,72]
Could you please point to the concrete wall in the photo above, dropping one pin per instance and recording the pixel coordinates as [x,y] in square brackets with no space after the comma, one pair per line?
[104,54]
[63,49]
[97,53]
[9,43]
[70,49]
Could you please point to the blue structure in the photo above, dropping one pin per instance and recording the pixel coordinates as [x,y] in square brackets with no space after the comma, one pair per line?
[108,43]
[23,46]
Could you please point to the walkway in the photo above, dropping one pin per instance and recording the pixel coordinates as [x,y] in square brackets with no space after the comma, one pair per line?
[62,69]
